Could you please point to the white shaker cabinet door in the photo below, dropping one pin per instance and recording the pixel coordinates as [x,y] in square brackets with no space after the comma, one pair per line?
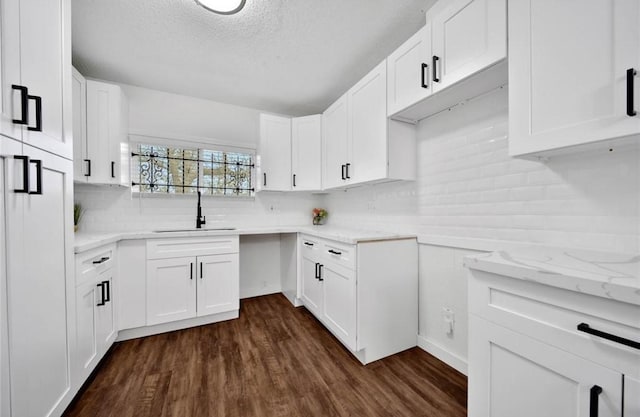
[11,100]
[275,153]
[409,72]
[106,313]
[218,284]
[311,286]
[336,143]
[631,396]
[468,36]
[514,375]
[340,302]
[79,101]
[86,356]
[568,63]
[306,153]
[171,289]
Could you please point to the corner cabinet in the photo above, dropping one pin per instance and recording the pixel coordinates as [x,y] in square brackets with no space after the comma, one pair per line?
[191,277]
[37,189]
[341,284]
[100,121]
[274,172]
[306,153]
[35,48]
[529,357]
[360,144]
[563,93]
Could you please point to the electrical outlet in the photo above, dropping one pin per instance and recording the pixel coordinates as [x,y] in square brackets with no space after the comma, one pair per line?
[448,321]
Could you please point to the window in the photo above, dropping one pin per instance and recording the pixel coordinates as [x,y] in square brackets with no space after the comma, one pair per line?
[176,170]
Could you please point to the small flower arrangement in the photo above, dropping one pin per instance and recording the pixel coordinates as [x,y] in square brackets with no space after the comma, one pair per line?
[319,214]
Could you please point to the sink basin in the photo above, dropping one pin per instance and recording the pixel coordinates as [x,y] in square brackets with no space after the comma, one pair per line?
[210,229]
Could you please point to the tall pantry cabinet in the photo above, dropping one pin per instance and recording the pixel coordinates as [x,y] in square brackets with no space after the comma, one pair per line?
[36,230]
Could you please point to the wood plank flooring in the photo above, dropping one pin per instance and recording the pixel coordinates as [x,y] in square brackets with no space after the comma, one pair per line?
[275,360]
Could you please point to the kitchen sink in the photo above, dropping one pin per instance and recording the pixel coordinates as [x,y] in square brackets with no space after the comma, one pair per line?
[209,229]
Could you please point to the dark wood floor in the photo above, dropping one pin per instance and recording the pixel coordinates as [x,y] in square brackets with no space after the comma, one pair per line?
[275,360]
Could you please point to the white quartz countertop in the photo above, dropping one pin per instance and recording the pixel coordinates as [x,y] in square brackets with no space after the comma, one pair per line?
[604,274]
[88,241]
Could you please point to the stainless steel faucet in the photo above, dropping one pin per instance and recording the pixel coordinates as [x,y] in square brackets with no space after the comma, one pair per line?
[200,219]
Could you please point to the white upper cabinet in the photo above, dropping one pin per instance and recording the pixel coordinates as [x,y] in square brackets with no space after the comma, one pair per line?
[467,36]
[275,153]
[36,68]
[459,54]
[335,142]
[572,73]
[408,72]
[106,160]
[306,153]
[79,102]
[360,144]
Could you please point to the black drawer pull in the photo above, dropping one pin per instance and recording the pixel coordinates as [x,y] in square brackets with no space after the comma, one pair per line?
[334,252]
[593,401]
[584,327]
[347,170]
[38,164]
[38,126]
[308,243]
[631,111]
[113,169]
[343,173]
[24,104]
[88,161]
[317,273]
[423,78]
[108,285]
[264,175]
[102,300]
[320,266]
[434,68]
[25,174]
[101,260]
[294,180]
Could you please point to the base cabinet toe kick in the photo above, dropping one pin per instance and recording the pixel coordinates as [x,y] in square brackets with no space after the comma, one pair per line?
[538,350]
[365,294]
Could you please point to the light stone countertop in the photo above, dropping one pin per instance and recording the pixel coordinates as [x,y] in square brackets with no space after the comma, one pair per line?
[88,241]
[603,274]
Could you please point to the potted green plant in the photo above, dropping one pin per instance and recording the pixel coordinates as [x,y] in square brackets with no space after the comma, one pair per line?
[319,216]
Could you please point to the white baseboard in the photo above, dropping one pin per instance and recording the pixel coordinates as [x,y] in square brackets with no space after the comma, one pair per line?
[451,359]
[258,291]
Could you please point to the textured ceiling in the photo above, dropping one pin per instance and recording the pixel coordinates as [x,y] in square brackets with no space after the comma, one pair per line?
[286,56]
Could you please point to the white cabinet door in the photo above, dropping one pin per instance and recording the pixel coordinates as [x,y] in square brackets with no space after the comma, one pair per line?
[568,63]
[311,285]
[368,112]
[45,63]
[409,72]
[513,375]
[468,36]
[171,289]
[340,302]
[41,294]
[336,148]
[86,354]
[306,153]
[218,284]
[275,153]
[631,396]
[79,105]
[104,132]
[10,102]
[106,313]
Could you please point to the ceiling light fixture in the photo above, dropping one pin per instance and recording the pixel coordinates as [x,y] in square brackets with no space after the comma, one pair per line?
[222,6]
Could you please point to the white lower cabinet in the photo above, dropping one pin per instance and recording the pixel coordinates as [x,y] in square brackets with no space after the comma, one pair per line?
[364,293]
[529,354]
[185,287]
[96,326]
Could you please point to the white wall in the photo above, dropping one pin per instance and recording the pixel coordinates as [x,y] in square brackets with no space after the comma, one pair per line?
[470,194]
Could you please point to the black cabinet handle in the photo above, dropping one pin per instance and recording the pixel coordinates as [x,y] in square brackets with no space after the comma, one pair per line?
[423,76]
[101,260]
[88,161]
[113,169]
[320,266]
[24,104]
[38,164]
[434,69]
[294,180]
[347,166]
[584,327]
[593,402]
[334,252]
[191,270]
[38,127]
[308,243]
[631,73]
[102,302]
[107,284]
[201,270]
[343,175]
[317,273]
[264,177]
[25,174]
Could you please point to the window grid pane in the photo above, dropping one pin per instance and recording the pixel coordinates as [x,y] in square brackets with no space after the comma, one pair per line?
[159,169]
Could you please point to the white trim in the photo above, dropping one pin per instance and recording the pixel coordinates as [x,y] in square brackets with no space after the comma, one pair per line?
[142,136]
[450,358]
[258,291]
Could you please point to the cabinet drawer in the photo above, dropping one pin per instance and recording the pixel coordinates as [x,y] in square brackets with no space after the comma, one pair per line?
[191,246]
[310,246]
[552,315]
[340,254]
[91,263]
